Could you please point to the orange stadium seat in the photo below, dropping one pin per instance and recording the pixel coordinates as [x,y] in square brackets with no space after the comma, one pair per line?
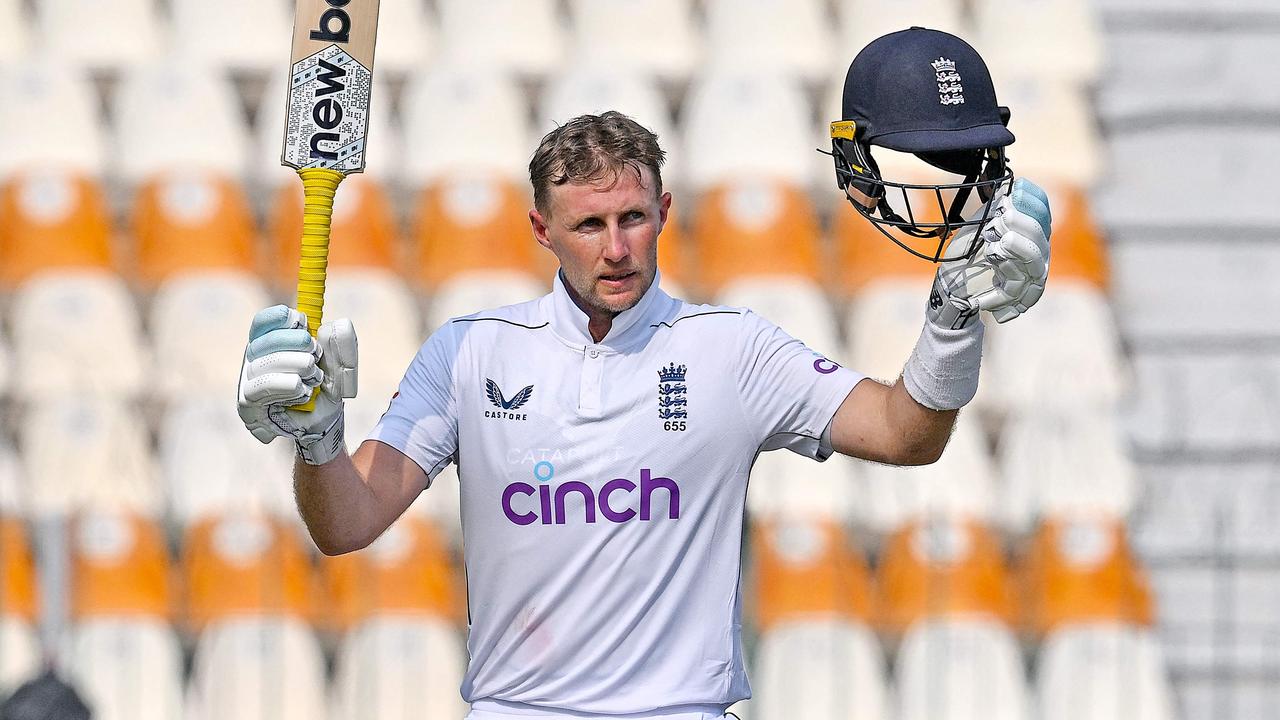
[120,567]
[1079,249]
[51,220]
[1082,570]
[18,592]
[755,228]
[363,234]
[673,253]
[191,221]
[807,569]
[245,565]
[408,570]
[864,256]
[472,223]
[942,568]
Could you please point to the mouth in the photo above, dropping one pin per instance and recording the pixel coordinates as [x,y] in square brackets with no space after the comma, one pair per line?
[617,280]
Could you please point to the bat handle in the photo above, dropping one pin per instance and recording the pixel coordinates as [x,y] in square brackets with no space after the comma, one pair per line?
[319,187]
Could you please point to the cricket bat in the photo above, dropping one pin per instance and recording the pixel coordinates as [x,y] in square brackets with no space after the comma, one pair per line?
[326,120]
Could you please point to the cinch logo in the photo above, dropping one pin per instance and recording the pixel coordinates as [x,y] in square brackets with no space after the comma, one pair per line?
[520,507]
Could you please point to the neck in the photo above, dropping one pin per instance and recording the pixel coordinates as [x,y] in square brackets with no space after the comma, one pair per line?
[598,321]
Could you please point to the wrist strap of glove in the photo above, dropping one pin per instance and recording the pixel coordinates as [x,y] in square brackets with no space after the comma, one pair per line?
[318,449]
[942,372]
[946,311]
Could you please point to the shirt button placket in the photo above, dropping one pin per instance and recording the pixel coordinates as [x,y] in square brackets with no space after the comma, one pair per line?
[591,381]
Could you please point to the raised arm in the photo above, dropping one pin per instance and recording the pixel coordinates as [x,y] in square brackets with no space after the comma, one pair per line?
[345,501]
[909,423]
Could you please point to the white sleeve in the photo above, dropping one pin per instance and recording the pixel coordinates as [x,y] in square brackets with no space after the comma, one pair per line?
[790,393]
[422,421]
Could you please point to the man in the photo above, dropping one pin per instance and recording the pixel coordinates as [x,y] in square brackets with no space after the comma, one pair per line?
[604,435]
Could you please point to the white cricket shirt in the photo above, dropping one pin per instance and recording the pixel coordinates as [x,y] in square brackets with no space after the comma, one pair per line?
[603,488]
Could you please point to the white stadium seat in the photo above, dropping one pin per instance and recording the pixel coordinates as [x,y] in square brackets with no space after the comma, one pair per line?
[820,669]
[1152,277]
[1103,672]
[1064,465]
[1054,40]
[199,327]
[1070,358]
[178,114]
[738,124]
[460,118]
[407,38]
[795,304]
[793,36]
[523,37]
[18,39]
[211,466]
[474,291]
[596,88]
[1146,187]
[960,670]
[862,22]
[77,333]
[961,484]
[49,117]
[1057,133]
[20,655]
[99,35]
[383,156]
[785,485]
[13,501]
[661,37]
[1228,11]
[257,668]
[388,327]
[204,32]
[1154,72]
[399,667]
[883,323]
[126,669]
[85,452]
[6,366]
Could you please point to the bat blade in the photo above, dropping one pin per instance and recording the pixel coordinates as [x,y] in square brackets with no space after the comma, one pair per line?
[330,84]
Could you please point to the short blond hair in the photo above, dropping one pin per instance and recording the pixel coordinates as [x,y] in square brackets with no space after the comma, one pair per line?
[589,148]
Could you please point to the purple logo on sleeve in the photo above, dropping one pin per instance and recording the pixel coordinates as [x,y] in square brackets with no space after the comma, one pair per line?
[825,366]
[519,506]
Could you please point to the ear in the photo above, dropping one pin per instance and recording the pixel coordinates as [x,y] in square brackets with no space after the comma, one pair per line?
[539,225]
[664,208]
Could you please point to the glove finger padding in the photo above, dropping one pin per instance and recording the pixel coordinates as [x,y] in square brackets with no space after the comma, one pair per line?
[339,358]
[302,364]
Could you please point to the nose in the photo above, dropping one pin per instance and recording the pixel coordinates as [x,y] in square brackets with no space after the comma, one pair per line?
[615,245]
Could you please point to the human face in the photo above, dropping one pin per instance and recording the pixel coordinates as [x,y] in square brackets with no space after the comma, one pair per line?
[605,234]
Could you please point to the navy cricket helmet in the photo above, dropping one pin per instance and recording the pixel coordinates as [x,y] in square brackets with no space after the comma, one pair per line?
[927,93]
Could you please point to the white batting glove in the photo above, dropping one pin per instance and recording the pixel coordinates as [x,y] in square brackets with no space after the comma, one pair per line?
[1007,274]
[282,364]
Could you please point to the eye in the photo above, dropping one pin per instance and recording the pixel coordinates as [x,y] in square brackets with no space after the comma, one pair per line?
[633,216]
[589,225]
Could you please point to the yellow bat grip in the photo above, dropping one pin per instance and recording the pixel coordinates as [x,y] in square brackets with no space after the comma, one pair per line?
[319,187]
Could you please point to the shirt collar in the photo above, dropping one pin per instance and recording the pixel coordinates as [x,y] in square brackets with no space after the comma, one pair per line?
[570,322]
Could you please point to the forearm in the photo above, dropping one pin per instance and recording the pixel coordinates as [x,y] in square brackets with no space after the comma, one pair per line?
[884,424]
[922,432]
[336,503]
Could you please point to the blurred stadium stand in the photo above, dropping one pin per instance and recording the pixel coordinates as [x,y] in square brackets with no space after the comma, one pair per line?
[1099,541]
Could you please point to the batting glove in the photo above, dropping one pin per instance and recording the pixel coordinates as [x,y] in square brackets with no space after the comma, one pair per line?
[1007,274]
[282,364]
